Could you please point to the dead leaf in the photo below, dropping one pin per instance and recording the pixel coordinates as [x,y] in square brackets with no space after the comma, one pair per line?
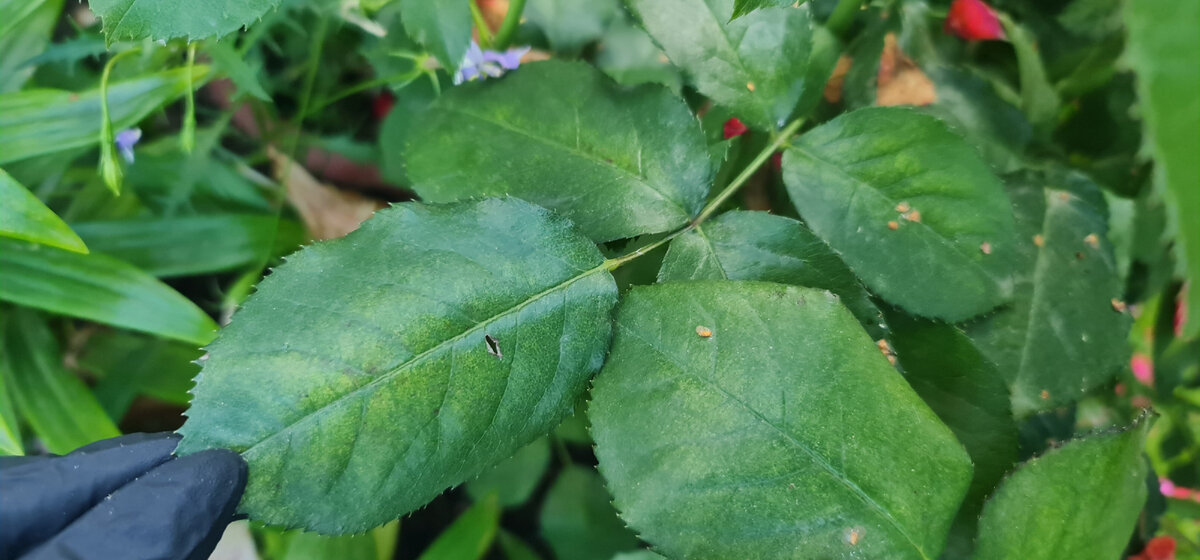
[328,212]
[833,88]
[900,81]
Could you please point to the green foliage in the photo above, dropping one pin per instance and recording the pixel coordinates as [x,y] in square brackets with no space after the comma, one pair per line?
[513,480]
[442,26]
[393,394]
[1079,501]
[23,216]
[162,20]
[578,520]
[766,422]
[618,164]
[25,29]
[470,535]
[754,65]
[571,24]
[743,7]
[910,207]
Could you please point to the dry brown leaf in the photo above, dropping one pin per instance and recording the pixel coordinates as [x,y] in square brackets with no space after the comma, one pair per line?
[328,212]
[900,81]
[833,88]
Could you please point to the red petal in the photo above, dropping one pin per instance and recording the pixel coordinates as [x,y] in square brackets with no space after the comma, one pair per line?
[734,128]
[1160,548]
[973,20]
[383,105]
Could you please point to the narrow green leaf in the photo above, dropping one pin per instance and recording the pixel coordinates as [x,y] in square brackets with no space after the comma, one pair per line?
[514,479]
[129,365]
[57,405]
[441,26]
[618,163]
[470,536]
[44,121]
[743,7]
[1039,100]
[759,246]
[1080,501]
[571,24]
[189,245]
[1063,333]
[163,20]
[910,208]
[514,548]
[25,30]
[23,216]
[783,434]
[384,388]
[578,519]
[101,289]
[1164,51]
[754,65]
[10,429]
[227,61]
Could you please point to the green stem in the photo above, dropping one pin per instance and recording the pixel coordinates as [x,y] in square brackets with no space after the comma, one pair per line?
[187,137]
[405,78]
[507,28]
[485,34]
[711,208]
[842,15]
[110,168]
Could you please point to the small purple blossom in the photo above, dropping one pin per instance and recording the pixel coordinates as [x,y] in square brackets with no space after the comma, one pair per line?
[482,64]
[126,140]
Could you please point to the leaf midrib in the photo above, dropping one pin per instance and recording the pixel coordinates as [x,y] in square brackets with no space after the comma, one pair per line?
[448,343]
[816,457]
[587,156]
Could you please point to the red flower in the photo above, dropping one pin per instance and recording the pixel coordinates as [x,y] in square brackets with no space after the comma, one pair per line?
[1159,548]
[974,20]
[734,128]
[383,105]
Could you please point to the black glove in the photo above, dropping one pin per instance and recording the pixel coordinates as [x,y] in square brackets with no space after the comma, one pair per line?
[125,497]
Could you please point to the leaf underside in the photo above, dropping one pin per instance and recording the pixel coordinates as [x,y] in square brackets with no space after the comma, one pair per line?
[782,434]
[383,391]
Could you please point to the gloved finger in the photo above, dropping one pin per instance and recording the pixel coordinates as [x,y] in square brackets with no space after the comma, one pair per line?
[43,495]
[171,512]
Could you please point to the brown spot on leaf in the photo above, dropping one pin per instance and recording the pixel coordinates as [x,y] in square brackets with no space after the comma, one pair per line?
[986,248]
[903,207]
[893,225]
[899,80]
[750,86]
[1092,240]
[704,331]
[1045,395]
[1119,306]
[1039,240]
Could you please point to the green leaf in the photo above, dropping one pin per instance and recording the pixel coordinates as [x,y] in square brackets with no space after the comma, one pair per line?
[784,434]
[441,26]
[514,479]
[1039,100]
[617,163]
[190,245]
[23,216]
[855,178]
[1164,51]
[470,536]
[971,107]
[129,365]
[1061,336]
[56,404]
[25,30]
[10,429]
[754,65]
[311,546]
[44,121]
[743,245]
[514,548]
[571,24]
[384,390]
[743,7]
[629,56]
[1080,501]
[163,20]
[578,519]
[99,288]
[229,62]
[413,100]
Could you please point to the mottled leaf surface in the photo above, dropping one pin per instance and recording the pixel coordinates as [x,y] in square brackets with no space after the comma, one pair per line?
[755,65]
[1062,334]
[618,163]
[162,20]
[784,434]
[23,216]
[857,181]
[1077,502]
[384,391]
[1164,50]
[743,245]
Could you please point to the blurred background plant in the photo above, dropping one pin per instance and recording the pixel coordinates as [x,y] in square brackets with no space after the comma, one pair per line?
[148,186]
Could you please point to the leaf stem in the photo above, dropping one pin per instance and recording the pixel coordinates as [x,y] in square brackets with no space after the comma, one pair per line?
[842,15]
[711,208]
[110,168]
[481,26]
[508,27]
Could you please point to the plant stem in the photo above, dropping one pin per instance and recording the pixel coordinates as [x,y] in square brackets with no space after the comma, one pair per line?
[512,19]
[729,190]
[404,77]
[481,26]
[842,15]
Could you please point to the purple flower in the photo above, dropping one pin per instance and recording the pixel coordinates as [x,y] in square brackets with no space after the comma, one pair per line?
[482,64]
[125,141]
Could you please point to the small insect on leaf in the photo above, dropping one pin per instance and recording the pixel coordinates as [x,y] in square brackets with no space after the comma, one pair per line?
[1092,240]
[1119,306]
[986,248]
[703,331]
[493,346]
[893,225]
[853,535]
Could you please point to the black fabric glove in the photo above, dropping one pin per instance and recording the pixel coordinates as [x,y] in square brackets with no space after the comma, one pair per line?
[125,498]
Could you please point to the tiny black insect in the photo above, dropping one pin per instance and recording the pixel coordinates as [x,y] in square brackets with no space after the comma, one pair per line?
[493,346]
